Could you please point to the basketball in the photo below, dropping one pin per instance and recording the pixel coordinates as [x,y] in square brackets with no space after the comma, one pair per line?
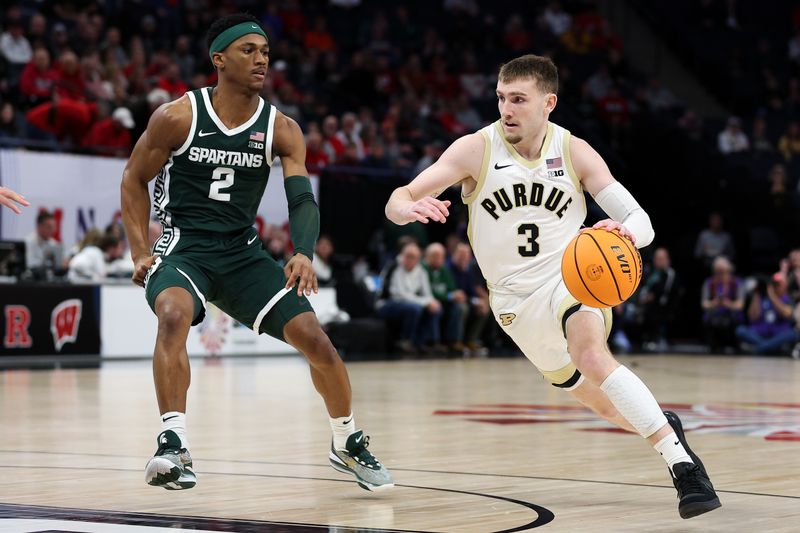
[601,268]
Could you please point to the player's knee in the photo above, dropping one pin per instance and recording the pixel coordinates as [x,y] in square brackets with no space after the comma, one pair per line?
[319,350]
[594,363]
[172,318]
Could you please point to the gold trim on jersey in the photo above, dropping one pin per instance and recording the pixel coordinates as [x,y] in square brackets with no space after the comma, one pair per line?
[487,155]
[548,137]
[570,301]
[568,160]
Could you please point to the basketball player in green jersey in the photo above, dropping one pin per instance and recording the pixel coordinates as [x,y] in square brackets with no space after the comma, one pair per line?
[210,153]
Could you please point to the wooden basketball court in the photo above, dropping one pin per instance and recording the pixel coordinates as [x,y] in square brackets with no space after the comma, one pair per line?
[477,445]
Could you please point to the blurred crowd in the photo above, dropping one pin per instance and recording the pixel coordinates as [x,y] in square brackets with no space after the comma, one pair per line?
[381,90]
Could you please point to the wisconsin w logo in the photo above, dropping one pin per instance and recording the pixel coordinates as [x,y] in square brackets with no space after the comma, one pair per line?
[64,322]
[507,318]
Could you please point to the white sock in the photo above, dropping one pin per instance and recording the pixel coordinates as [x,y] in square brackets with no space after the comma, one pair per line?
[634,401]
[342,428]
[176,422]
[672,450]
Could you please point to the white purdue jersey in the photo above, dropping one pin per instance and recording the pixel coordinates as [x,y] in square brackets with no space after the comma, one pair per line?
[522,214]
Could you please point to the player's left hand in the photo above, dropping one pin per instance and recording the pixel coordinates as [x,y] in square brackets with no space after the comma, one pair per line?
[611,225]
[299,270]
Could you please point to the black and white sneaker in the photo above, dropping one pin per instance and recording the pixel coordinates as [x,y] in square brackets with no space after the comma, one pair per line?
[696,494]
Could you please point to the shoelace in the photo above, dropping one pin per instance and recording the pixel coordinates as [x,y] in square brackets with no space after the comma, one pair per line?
[362,454]
[690,482]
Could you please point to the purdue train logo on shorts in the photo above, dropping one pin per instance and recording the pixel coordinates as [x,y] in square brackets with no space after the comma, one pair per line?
[507,318]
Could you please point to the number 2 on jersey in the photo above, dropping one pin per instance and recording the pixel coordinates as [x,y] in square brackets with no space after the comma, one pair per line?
[225,174]
[531,232]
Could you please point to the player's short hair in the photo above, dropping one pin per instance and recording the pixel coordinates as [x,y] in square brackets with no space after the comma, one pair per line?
[228,21]
[540,68]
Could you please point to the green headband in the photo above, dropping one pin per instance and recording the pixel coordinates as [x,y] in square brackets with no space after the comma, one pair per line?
[231,34]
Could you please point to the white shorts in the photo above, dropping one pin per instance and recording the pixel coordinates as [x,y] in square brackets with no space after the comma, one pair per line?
[536,322]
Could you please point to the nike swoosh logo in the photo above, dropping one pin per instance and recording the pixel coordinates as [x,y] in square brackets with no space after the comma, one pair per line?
[498,167]
[359,439]
[202,133]
[254,26]
[249,242]
[677,442]
[169,418]
[347,421]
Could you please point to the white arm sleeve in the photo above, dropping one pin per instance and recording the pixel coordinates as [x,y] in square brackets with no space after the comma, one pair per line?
[622,207]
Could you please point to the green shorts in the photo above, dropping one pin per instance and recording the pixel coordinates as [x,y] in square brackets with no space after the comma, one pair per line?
[233,272]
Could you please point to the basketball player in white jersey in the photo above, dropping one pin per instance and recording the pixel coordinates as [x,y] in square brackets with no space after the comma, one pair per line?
[522,179]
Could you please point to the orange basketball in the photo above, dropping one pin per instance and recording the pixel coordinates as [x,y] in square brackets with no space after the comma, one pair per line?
[601,268]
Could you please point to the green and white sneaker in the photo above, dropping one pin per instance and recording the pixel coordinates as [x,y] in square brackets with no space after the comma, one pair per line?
[370,474]
[171,466]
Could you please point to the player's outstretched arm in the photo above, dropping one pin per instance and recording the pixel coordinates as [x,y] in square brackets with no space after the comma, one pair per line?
[627,216]
[8,197]
[290,146]
[416,202]
[167,130]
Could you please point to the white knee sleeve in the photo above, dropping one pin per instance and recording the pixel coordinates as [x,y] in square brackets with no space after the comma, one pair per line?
[634,401]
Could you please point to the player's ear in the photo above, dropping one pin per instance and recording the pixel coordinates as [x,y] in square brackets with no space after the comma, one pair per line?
[551,102]
[219,61]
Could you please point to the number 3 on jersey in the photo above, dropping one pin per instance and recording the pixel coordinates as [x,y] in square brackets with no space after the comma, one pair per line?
[531,232]
[225,175]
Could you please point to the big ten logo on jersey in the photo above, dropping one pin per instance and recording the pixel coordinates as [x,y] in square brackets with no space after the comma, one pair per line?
[256,140]
[554,169]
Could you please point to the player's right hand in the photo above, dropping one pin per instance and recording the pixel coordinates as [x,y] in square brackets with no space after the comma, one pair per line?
[140,267]
[428,208]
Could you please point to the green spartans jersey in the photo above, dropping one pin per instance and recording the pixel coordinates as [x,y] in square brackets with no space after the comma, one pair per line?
[215,181]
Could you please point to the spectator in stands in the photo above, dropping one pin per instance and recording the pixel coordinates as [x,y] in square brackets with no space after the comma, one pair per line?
[516,37]
[714,241]
[770,329]
[599,84]
[761,142]
[112,46]
[38,78]
[70,82]
[332,144]
[691,124]
[322,261]
[42,250]
[15,48]
[276,242]
[789,143]
[658,97]
[316,156]
[37,31]
[319,38]
[433,151]
[377,157]
[722,302]
[111,136]
[171,81]
[476,305]
[11,124]
[558,21]
[451,298]
[407,298]
[732,139]
[91,264]
[660,298]
[350,134]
